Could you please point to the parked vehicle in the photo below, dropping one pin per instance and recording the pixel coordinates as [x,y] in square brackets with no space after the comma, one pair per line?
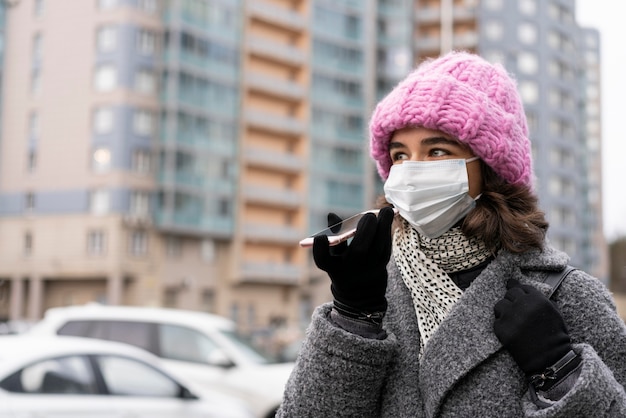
[43,376]
[200,347]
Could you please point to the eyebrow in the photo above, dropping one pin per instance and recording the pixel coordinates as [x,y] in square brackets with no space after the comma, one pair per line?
[436,140]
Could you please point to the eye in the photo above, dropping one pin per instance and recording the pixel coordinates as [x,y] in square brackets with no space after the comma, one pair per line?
[438,152]
[399,156]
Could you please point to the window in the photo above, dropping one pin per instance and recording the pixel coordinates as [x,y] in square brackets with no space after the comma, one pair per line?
[173,247]
[223,207]
[29,202]
[106,39]
[103,120]
[146,42]
[529,90]
[181,343]
[143,122]
[494,30]
[105,77]
[28,243]
[101,161]
[37,41]
[129,332]
[145,82]
[141,161]
[60,375]
[124,376]
[138,242]
[527,7]
[35,81]
[527,63]
[33,125]
[561,128]
[148,6]
[495,56]
[99,202]
[140,203]
[527,33]
[38,8]
[493,4]
[31,161]
[95,242]
[107,4]
[207,250]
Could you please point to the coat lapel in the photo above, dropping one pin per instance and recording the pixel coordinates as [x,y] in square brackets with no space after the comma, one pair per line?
[469,325]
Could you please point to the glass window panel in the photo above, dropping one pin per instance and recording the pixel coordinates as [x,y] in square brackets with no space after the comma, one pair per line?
[124,376]
[143,122]
[101,161]
[106,39]
[62,375]
[527,33]
[527,63]
[105,77]
[145,82]
[138,242]
[95,242]
[99,201]
[186,344]
[103,120]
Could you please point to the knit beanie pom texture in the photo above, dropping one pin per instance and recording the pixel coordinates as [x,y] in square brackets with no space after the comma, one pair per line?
[463,96]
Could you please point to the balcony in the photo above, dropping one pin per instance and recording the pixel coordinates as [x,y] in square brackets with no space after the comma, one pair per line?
[427,15]
[465,13]
[272,233]
[273,196]
[277,51]
[276,123]
[274,159]
[428,43]
[194,223]
[465,41]
[275,86]
[269,12]
[270,273]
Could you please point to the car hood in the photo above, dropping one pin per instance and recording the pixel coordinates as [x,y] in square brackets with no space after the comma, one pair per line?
[273,377]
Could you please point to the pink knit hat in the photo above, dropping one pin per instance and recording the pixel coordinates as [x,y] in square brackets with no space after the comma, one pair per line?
[466,97]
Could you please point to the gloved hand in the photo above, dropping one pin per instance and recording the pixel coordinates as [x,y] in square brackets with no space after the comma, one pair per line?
[531,328]
[358,271]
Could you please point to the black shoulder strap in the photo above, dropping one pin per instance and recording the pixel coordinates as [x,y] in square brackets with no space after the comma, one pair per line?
[555,279]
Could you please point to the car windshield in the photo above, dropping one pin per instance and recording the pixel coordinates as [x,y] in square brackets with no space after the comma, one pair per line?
[252,353]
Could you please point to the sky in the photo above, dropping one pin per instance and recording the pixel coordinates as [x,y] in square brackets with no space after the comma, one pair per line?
[601,14]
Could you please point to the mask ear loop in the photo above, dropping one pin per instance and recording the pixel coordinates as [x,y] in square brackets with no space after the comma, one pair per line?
[471,160]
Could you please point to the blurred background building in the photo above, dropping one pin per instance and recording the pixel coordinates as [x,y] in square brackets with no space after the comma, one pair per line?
[174,152]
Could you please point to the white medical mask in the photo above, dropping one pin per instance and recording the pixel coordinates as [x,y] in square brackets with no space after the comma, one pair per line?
[431,195]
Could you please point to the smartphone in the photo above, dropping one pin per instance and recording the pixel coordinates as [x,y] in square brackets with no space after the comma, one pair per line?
[339,232]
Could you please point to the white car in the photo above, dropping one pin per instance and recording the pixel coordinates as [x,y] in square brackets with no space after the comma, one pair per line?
[200,347]
[54,377]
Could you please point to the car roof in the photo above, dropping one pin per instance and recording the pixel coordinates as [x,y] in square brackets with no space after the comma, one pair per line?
[94,311]
[23,348]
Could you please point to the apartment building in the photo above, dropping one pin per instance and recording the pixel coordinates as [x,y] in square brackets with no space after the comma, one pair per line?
[173,152]
[556,64]
[160,153]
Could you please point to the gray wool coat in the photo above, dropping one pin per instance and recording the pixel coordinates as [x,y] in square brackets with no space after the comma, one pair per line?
[464,371]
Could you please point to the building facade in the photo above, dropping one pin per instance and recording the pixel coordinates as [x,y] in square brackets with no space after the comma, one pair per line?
[174,152]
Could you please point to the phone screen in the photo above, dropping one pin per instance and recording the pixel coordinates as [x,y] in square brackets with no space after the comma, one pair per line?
[339,232]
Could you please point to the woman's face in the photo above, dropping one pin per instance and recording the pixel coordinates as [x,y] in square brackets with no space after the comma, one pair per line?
[421,144]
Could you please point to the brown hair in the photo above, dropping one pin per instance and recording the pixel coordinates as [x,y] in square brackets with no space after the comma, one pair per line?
[506,216]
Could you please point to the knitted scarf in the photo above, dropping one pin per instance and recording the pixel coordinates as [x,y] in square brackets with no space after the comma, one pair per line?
[425,263]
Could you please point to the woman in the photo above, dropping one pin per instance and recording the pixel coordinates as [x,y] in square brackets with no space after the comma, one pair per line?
[447,315]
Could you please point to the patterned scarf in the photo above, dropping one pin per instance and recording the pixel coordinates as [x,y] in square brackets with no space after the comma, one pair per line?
[425,263]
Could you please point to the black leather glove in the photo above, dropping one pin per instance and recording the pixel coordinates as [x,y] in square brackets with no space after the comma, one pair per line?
[358,271]
[531,328]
